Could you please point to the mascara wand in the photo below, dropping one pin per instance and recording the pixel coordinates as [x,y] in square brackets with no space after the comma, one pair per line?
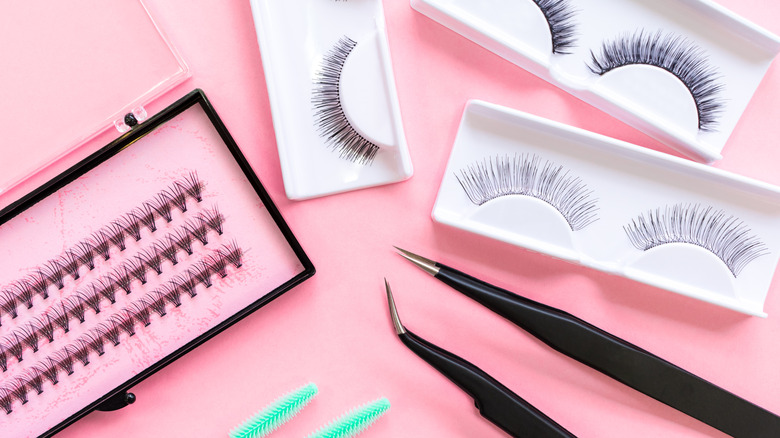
[495,402]
[275,414]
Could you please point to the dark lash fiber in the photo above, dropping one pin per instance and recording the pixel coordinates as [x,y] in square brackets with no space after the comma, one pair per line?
[560,18]
[529,175]
[675,54]
[329,117]
[715,230]
[83,254]
[106,287]
[94,340]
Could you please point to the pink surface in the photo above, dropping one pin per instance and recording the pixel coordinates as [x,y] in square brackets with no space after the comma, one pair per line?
[334,330]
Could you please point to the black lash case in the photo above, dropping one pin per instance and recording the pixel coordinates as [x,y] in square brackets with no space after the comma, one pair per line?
[139,83]
[120,397]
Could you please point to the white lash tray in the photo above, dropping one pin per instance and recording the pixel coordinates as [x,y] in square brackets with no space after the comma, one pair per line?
[604,184]
[362,142]
[650,99]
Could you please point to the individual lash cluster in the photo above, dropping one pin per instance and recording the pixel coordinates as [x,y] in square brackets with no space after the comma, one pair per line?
[675,54]
[109,332]
[330,119]
[722,234]
[528,175]
[560,19]
[99,245]
[104,289]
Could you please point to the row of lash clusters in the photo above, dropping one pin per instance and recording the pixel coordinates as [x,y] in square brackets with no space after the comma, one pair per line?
[106,287]
[86,252]
[109,332]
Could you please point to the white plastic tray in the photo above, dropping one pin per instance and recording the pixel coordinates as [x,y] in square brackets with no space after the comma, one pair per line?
[295,38]
[648,98]
[624,182]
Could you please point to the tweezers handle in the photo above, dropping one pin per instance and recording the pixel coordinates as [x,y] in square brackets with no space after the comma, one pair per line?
[495,401]
[621,360]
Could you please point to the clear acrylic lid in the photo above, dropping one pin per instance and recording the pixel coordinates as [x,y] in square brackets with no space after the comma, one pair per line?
[71,70]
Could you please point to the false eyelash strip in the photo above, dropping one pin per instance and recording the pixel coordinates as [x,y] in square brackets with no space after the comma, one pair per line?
[95,295]
[560,17]
[528,175]
[329,117]
[84,254]
[109,332]
[725,236]
[675,54]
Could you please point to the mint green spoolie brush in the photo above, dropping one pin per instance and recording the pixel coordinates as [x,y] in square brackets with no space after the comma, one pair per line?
[275,414]
[353,422]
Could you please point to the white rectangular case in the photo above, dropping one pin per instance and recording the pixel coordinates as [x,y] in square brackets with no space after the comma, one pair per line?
[647,98]
[296,38]
[622,182]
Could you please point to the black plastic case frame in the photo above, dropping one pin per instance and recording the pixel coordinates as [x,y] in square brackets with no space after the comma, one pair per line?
[196,97]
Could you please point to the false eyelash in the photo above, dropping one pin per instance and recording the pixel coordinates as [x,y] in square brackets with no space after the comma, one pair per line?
[675,54]
[44,325]
[192,185]
[124,322]
[13,346]
[64,361]
[105,288]
[6,400]
[560,17]
[213,219]
[19,390]
[3,358]
[60,317]
[528,175]
[232,253]
[100,245]
[91,299]
[34,380]
[75,307]
[79,351]
[145,215]
[94,340]
[8,304]
[329,117]
[26,335]
[49,370]
[24,294]
[108,331]
[723,235]
[83,254]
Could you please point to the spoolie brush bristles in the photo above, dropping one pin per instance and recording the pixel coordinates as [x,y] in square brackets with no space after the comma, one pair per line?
[353,422]
[275,414]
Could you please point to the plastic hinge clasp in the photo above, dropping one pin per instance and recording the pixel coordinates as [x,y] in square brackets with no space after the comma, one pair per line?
[117,402]
[131,119]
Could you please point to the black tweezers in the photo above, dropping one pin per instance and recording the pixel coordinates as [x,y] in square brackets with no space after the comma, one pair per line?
[601,351]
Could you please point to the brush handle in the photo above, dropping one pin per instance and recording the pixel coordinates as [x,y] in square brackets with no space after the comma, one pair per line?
[495,401]
[621,360]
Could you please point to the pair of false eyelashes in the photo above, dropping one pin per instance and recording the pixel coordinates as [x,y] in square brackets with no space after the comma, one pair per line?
[726,236]
[94,341]
[673,53]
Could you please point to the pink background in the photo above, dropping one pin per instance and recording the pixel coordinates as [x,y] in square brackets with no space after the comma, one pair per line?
[335,331]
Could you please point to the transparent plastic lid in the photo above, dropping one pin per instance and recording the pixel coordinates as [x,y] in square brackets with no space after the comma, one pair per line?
[71,70]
